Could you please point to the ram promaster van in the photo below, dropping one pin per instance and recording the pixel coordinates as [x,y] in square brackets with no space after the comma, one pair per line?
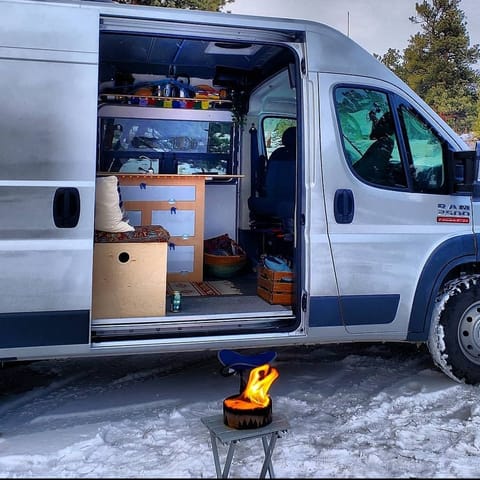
[285,182]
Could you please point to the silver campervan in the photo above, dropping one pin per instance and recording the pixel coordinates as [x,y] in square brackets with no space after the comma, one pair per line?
[287,184]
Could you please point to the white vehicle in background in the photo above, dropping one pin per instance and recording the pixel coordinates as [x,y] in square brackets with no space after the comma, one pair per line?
[376,222]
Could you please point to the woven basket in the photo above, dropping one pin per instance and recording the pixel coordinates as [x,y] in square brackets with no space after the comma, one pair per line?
[223,266]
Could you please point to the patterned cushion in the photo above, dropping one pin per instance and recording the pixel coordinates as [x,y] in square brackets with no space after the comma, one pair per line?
[145,233]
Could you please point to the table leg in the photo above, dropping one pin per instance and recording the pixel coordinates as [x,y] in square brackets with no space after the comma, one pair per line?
[228,461]
[215,455]
[268,448]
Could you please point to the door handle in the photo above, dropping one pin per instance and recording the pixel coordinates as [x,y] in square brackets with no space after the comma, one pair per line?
[66,207]
[344,206]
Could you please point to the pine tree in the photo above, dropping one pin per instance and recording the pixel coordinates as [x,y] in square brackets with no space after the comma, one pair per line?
[211,5]
[438,62]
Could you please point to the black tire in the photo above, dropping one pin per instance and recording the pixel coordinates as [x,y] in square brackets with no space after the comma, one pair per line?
[454,340]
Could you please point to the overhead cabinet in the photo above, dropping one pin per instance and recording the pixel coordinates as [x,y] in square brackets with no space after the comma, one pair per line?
[143,139]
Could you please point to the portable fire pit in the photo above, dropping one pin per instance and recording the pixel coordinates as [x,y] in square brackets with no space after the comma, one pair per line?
[252,408]
[248,414]
[232,436]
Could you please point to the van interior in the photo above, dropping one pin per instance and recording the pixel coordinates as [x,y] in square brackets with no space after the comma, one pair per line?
[200,134]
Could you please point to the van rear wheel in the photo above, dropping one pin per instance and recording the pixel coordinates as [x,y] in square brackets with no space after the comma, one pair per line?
[454,340]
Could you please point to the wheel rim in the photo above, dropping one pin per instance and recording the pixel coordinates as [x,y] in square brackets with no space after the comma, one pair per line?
[469,333]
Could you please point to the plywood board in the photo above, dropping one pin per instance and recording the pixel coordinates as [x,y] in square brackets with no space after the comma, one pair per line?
[129,280]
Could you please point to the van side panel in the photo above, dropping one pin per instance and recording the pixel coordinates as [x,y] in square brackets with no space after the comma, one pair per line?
[48,79]
[44,328]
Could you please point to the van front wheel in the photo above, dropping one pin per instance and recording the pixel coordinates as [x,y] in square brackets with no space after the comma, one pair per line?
[454,340]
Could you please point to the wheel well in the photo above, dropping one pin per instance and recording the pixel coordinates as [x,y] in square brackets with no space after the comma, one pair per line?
[459,270]
[420,318]
[451,259]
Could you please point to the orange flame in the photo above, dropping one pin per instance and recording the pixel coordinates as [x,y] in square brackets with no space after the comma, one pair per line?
[256,391]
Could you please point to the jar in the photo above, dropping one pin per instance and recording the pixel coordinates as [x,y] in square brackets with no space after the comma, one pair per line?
[176,301]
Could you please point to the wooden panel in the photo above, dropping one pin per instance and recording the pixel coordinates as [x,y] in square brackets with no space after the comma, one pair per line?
[179,190]
[129,279]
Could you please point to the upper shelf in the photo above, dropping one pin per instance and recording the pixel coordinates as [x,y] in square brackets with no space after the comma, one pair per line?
[207,176]
[166,102]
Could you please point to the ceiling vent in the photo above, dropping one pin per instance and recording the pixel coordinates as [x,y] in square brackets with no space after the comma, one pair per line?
[230,48]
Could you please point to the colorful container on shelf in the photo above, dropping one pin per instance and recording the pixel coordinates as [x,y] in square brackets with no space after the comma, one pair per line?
[165,102]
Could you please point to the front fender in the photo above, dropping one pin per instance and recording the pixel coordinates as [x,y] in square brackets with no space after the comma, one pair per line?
[448,255]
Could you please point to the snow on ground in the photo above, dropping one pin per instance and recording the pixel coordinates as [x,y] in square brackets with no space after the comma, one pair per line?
[359,411]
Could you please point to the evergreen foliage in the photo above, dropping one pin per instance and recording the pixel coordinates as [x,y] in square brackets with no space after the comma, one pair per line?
[211,5]
[438,62]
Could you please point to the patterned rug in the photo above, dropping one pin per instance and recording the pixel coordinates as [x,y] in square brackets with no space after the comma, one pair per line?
[196,289]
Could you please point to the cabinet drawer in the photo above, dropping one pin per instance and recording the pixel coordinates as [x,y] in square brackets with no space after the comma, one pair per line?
[159,193]
[179,224]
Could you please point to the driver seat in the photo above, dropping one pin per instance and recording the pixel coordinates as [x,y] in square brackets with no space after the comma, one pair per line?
[277,201]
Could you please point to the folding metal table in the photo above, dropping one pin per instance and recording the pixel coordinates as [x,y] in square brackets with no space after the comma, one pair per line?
[231,437]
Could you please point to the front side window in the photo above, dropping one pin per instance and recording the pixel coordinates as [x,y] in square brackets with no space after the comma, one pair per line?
[376,135]
[369,136]
[426,153]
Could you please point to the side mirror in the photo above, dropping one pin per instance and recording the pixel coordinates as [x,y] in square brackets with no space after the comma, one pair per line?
[461,171]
